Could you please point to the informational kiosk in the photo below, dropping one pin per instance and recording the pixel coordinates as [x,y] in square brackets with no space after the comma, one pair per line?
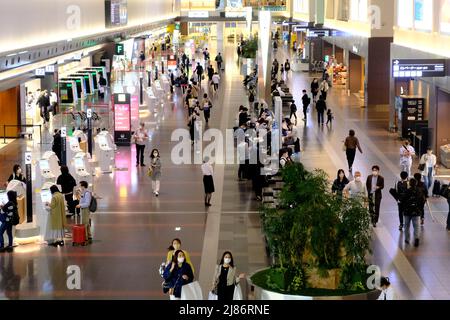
[122,119]
[68,92]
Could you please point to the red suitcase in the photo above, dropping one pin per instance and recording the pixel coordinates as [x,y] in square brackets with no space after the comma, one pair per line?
[78,234]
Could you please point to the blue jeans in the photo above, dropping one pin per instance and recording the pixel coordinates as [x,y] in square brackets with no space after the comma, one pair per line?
[8,228]
[415,223]
[428,179]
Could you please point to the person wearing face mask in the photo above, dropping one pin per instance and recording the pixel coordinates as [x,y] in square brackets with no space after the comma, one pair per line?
[340,183]
[17,174]
[427,166]
[85,202]
[356,189]
[406,153]
[140,137]
[155,165]
[387,292]
[177,274]
[374,185]
[225,279]
[175,246]
[401,188]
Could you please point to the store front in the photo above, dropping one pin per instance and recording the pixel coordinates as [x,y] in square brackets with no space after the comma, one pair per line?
[10,113]
[432,86]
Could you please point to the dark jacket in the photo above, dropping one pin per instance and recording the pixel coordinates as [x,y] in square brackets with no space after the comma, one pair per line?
[321,106]
[17,177]
[413,200]
[402,188]
[67,183]
[380,184]
[314,86]
[174,278]
[306,100]
[338,185]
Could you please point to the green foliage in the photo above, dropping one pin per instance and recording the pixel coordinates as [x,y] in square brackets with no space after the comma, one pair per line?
[315,229]
[249,48]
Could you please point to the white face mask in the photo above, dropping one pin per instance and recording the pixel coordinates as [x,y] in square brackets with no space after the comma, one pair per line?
[181,260]
[227,260]
[358,179]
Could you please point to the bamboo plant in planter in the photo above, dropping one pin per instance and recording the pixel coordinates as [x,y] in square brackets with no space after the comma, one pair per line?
[318,241]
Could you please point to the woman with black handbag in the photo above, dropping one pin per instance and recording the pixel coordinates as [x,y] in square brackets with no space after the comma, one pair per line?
[9,218]
[177,274]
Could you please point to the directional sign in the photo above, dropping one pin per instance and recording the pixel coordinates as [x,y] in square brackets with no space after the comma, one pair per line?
[318,33]
[63,132]
[89,113]
[418,68]
[28,157]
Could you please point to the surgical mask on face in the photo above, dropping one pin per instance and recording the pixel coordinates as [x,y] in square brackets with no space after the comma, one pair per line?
[227,260]
[375,173]
[358,179]
[181,260]
[155,154]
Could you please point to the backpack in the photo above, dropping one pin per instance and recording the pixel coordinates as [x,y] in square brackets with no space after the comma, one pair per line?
[93,204]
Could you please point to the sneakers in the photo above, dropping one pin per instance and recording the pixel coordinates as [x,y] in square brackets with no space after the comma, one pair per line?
[416,243]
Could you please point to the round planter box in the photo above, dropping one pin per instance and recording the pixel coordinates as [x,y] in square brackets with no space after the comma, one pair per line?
[263,294]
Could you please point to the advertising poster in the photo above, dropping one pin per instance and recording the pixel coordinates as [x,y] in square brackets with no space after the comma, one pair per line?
[122,117]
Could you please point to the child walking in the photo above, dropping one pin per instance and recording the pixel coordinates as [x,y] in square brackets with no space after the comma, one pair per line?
[330,117]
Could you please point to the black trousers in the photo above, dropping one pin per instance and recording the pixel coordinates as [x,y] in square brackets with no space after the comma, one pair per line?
[324,95]
[305,110]
[351,153]
[320,117]
[400,213]
[243,170]
[140,153]
[70,203]
[374,207]
[293,113]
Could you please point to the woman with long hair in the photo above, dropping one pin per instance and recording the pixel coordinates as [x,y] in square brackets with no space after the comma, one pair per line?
[155,165]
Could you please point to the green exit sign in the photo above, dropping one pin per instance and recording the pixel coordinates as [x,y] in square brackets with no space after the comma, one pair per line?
[119,49]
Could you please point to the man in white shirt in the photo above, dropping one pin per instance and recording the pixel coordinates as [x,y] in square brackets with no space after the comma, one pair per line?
[406,153]
[215,81]
[356,189]
[140,136]
[208,181]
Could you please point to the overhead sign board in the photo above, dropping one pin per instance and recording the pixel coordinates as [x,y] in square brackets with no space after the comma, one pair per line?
[50,68]
[299,28]
[412,68]
[40,72]
[198,14]
[119,49]
[316,33]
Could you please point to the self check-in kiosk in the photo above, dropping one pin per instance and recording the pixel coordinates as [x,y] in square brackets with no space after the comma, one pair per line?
[102,71]
[82,167]
[87,81]
[92,79]
[42,214]
[95,72]
[82,139]
[80,85]
[67,92]
[52,159]
[104,151]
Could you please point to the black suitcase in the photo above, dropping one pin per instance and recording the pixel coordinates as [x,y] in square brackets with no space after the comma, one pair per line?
[437,188]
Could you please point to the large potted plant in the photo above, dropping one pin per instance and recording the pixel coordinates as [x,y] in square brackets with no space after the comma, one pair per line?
[317,241]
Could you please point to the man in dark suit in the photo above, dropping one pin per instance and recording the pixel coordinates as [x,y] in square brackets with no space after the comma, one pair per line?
[374,184]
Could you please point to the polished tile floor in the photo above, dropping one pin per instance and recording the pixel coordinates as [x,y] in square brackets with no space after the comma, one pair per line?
[132,228]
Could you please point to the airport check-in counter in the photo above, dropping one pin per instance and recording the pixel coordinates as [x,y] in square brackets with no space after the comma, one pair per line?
[82,138]
[20,188]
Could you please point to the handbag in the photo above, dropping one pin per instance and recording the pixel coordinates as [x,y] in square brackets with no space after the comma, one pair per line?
[421,166]
[191,291]
[344,147]
[237,292]
[212,296]
[150,171]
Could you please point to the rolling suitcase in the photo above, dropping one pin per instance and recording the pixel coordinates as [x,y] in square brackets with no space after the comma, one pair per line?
[436,188]
[79,234]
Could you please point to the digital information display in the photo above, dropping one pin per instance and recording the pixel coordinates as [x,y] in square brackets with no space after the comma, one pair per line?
[122,119]
[116,13]
[46,196]
[418,68]
[79,163]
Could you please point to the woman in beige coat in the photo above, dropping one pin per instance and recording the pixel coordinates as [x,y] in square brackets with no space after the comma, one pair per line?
[225,279]
[57,219]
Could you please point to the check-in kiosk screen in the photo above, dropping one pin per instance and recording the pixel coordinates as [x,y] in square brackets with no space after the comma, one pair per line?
[94,77]
[44,165]
[87,81]
[79,163]
[79,85]
[74,143]
[102,140]
[46,196]
[66,92]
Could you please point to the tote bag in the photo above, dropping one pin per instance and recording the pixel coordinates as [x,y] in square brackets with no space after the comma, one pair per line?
[191,291]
